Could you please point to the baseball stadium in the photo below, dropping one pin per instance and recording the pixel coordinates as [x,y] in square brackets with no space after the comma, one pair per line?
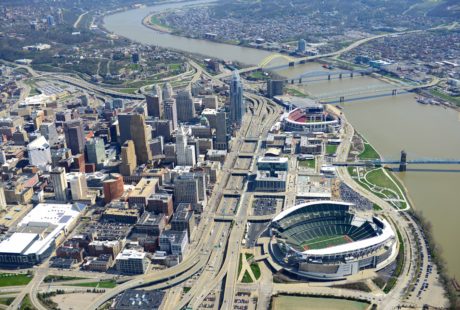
[312,118]
[327,240]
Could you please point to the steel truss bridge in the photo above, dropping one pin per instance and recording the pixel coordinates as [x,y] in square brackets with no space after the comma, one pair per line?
[427,161]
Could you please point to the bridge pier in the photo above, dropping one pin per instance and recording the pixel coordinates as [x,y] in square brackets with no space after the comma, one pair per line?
[351,74]
[342,99]
[292,81]
[403,162]
[362,73]
[329,77]
[303,61]
[300,81]
[291,64]
[394,92]
[340,75]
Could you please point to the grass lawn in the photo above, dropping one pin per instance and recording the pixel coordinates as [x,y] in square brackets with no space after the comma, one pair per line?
[295,92]
[246,278]
[454,100]
[186,289]
[156,21]
[13,279]
[248,256]
[258,75]
[309,163]
[325,242]
[49,279]
[331,149]
[100,284]
[27,304]
[6,300]
[352,171]
[379,178]
[369,152]
[175,67]
[376,207]
[255,270]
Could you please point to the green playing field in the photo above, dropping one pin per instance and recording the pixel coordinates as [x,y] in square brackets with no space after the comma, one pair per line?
[325,242]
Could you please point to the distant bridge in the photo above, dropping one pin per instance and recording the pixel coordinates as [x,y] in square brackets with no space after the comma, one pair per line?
[361,163]
[402,162]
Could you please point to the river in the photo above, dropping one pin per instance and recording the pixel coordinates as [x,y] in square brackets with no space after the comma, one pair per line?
[391,124]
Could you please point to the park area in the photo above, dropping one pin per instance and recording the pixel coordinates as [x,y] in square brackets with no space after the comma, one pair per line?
[14,279]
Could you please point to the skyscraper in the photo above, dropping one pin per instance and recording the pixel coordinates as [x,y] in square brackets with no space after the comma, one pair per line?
[221,130]
[185,153]
[155,102]
[58,178]
[275,88]
[167,91]
[185,106]
[74,136]
[171,111]
[128,158]
[78,185]
[132,127]
[236,99]
[95,152]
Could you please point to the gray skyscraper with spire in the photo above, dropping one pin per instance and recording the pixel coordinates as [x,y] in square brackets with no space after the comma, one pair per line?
[236,99]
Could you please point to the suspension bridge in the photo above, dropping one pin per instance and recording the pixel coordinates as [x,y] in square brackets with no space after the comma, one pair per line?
[402,162]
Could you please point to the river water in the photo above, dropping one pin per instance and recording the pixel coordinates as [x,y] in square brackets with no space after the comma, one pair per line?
[391,124]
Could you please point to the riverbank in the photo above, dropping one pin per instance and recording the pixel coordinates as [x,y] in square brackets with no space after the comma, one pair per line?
[148,22]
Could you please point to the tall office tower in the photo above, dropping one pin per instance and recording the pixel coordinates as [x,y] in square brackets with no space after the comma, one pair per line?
[171,111]
[185,106]
[58,178]
[74,136]
[2,197]
[275,88]
[95,152]
[132,127]
[128,158]
[155,102]
[48,130]
[185,153]
[78,185]
[301,46]
[236,99]
[221,131]
[163,128]
[190,188]
[167,91]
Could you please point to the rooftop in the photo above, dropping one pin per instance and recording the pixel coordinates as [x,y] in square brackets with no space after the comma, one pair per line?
[130,254]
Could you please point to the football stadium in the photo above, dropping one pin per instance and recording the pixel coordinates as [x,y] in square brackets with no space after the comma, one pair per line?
[327,240]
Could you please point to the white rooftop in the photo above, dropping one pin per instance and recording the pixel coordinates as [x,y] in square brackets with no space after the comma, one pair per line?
[38,143]
[56,214]
[130,254]
[17,243]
